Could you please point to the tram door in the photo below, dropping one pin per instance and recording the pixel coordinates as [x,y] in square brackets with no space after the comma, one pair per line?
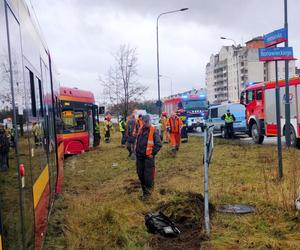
[16,201]
[96,123]
[90,125]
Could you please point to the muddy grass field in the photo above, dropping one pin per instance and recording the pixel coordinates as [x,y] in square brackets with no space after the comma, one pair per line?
[100,207]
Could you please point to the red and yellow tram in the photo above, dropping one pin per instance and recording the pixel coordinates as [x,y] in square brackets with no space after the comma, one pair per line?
[31,169]
[80,117]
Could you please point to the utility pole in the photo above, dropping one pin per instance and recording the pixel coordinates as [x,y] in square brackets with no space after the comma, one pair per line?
[287,87]
[279,146]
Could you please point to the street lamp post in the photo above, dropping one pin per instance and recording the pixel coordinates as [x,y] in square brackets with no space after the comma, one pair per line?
[171,82]
[237,65]
[287,88]
[157,53]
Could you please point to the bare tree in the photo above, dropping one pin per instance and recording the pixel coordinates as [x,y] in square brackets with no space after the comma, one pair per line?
[120,84]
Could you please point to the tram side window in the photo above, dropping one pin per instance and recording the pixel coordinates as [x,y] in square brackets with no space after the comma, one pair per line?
[40,97]
[32,91]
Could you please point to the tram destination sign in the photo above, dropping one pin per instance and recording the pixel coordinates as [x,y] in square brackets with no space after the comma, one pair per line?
[276,54]
[275,37]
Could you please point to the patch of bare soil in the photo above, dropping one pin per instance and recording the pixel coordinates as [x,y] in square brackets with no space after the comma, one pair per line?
[186,210]
[132,186]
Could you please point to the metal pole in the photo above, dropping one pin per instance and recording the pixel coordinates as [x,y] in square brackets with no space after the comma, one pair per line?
[287,88]
[206,206]
[158,75]
[279,146]
[157,54]
[238,73]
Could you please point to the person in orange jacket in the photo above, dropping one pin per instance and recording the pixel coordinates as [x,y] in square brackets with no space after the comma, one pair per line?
[138,125]
[164,133]
[174,125]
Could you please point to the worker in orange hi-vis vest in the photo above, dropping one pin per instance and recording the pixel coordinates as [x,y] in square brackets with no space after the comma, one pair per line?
[174,125]
[138,125]
[147,145]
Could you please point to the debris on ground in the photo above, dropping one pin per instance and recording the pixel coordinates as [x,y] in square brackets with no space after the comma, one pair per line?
[186,210]
[162,224]
[235,209]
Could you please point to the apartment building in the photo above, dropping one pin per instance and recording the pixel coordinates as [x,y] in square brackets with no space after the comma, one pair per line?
[229,71]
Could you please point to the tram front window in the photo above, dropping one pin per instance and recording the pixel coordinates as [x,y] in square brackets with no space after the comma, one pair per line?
[74,121]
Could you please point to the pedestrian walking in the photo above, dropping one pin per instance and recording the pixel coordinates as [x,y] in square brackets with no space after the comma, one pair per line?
[163,125]
[130,135]
[229,120]
[4,149]
[122,128]
[174,125]
[148,144]
[108,126]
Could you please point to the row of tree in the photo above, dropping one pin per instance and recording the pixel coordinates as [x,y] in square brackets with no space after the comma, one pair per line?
[121,86]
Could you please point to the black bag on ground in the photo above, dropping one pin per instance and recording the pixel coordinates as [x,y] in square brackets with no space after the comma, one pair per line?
[160,223]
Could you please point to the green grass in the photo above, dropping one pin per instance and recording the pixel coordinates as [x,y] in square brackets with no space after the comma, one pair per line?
[100,208]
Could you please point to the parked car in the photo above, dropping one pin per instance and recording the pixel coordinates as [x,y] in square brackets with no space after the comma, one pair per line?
[215,114]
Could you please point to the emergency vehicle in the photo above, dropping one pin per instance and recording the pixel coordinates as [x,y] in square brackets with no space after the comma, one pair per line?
[195,105]
[259,99]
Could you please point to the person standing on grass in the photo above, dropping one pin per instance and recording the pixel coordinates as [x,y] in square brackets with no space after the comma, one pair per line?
[163,124]
[122,128]
[184,131]
[148,144]
[138,125]
[130,134]
[174,125]
[108,126]
[229,120]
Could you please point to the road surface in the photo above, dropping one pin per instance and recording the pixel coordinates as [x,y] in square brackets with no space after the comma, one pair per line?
[245,138]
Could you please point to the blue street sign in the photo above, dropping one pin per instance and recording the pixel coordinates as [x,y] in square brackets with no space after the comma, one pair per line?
[276,54]
[275,37]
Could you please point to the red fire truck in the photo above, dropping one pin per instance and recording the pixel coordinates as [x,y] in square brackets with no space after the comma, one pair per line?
[259,99]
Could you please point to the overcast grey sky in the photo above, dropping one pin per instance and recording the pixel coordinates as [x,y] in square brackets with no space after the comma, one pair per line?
[82,35]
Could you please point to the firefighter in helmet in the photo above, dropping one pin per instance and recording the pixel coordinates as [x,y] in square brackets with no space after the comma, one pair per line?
[108,126]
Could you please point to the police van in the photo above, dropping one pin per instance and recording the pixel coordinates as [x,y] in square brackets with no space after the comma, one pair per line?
[215,114]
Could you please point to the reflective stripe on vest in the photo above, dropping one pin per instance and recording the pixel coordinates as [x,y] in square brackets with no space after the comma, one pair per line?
[228,118]
[121,126]
[174,124]
[138,126]
[150,143]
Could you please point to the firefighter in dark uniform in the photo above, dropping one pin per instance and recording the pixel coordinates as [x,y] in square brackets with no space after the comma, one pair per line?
[229,120]
[4,149]
[148,143]
[184,133]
